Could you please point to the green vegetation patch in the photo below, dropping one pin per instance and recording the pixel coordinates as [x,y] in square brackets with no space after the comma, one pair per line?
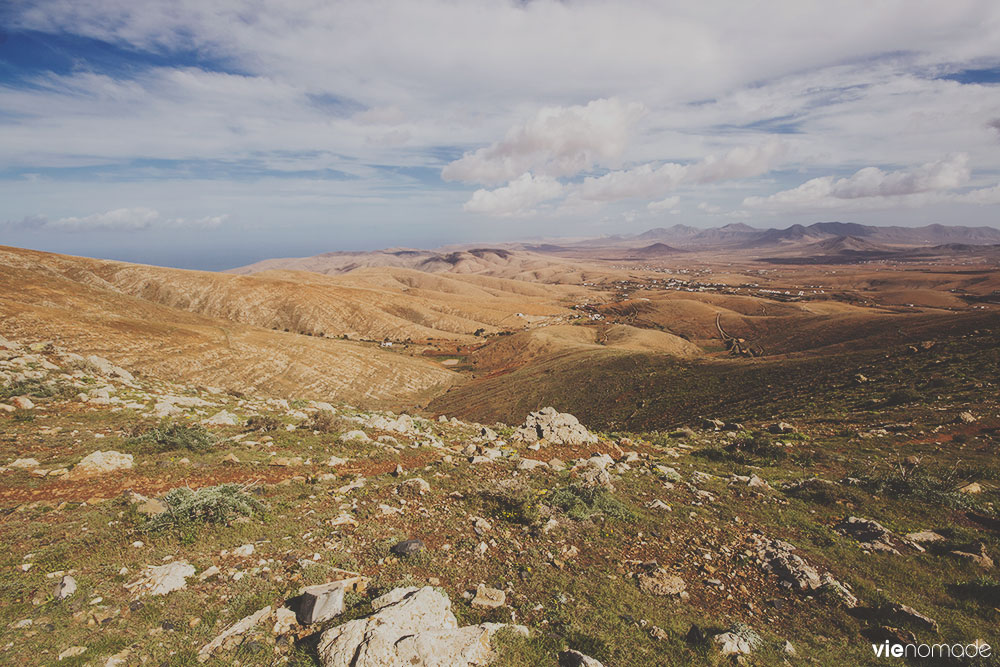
[916,482]
[583,502]
[36,388]
[171,438]
[984,589]
[211,504]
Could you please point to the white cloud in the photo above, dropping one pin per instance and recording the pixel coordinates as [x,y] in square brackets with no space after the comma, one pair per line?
[652,181]
[118,220]
[872,183]
[519,197]
[558,141]
[664,204]
[372,88]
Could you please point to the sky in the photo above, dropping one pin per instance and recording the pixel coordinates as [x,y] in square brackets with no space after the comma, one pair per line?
[213,133]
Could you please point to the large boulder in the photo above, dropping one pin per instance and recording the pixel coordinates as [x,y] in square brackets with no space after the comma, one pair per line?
[558,428]
[410,626]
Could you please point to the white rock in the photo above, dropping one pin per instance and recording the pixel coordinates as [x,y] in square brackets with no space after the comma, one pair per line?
[489,598]
[244,551]
[284,621]
[65,588]
[232,632]
[24,463]
[222,418]
[22,403]
[162,579]
[166,409]
[731,644]
[72,652]
[109,369]
[410,626]
[98,463]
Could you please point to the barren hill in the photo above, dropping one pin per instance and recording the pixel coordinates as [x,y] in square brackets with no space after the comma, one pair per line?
[495,262]
[85,303]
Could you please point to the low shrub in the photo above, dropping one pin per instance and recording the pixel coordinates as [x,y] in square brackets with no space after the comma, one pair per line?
[23,416]
[514,506]
[584,502]
[748,448]
[903,396]
[36,388]
[984,589]
[211,504]
[920,483]
[324,421]
[263,423]
[172,437]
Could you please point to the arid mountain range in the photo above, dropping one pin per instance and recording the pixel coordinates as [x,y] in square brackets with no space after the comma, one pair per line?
[834,242]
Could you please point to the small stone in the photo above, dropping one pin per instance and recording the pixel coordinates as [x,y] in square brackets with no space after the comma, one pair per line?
[924,536]
[577,659]
[489,598]
[72,652]
[661,582]
[99,463]
[408,547]
[731,644]
[781,427]
[233,632]
[324,601]
[223,418]
[65,588]
[23,403]
[667,473]
[284,620]
[244,551]
[481,526]
[416,486]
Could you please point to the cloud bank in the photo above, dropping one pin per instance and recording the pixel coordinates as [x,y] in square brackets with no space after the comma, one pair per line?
[117,220]
[315,120]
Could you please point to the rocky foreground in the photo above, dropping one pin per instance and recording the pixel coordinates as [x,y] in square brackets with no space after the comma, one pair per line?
[147,522]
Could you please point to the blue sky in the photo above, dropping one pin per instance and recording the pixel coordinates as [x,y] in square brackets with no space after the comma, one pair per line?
[209,134]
